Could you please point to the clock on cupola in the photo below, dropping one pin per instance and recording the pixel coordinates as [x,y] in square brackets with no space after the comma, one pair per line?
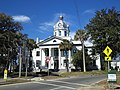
[61,29]
[60,24]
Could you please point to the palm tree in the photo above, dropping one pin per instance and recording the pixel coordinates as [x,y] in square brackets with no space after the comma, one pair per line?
[82,36]
[65,46]
[31,44]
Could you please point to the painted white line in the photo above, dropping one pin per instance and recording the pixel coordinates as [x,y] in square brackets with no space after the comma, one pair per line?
[59,88]
[56,85]
[71,83]
[56,88]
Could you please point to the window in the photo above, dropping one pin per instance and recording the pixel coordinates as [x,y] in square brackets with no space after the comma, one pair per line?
[38,53]
[38,63]
[55,51]
[59,33]
[65,63]
[74,50]
[46,52]
[64,54]
[54,41]
[65,33]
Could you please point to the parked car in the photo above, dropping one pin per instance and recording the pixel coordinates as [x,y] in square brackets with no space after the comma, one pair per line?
[91,67]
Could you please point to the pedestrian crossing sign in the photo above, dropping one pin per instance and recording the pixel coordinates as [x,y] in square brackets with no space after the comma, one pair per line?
[107,51]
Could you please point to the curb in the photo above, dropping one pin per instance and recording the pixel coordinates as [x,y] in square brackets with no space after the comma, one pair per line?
[11,81]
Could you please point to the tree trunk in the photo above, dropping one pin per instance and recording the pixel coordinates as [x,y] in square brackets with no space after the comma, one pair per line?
[66,61]
[20,63]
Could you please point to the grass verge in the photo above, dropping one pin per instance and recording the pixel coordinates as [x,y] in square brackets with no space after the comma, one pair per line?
[107,85]
[13,81]
[74,74]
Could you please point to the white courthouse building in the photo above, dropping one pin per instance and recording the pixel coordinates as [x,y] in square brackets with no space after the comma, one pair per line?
[48,55]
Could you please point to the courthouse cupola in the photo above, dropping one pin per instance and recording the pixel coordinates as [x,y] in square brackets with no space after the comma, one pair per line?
[61,29]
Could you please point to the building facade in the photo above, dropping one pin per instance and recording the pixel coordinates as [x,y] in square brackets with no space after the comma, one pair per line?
[49,55]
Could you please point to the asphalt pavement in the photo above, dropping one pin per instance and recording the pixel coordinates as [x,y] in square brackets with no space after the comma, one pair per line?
[60,84]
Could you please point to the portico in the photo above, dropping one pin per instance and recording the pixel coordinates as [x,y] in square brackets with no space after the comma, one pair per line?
[56,57]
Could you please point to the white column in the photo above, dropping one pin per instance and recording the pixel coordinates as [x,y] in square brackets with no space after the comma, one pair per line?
[49,64]
[59,58]
[69,65]
[52,59]
[41,56]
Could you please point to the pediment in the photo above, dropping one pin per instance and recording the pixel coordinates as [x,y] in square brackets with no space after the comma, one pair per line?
[51,40]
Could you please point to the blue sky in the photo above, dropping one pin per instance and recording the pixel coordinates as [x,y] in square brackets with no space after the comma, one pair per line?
[39,16]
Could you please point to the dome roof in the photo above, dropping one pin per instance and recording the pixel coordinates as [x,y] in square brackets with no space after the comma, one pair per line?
[61,17]
[60,24]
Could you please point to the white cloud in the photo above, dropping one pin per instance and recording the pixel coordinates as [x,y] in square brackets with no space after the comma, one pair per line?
[92,11]
[21,18]
[48,26]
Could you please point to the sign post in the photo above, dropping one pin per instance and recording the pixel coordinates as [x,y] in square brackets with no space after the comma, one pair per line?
[112,77]
[5,74]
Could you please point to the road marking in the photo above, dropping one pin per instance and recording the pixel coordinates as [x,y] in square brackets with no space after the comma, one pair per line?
[55,85]
[71,83]
[56,88]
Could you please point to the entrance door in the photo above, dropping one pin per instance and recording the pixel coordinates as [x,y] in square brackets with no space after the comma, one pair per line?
[56,64]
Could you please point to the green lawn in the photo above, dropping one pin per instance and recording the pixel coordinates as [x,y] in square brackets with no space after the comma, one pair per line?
[75,74]
[83,73]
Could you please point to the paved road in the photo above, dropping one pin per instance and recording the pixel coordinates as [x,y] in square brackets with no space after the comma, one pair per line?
[63,84]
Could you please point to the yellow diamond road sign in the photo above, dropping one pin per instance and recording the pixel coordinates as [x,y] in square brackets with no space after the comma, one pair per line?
[108,58]
[107,51]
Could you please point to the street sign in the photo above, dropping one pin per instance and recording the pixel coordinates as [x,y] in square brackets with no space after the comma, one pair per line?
[108,58]
[107,51]
[47,59]
[112,77]
[5,74]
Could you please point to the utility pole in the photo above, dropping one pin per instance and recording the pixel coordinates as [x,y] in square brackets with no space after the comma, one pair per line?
[84,67]
[20,63]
